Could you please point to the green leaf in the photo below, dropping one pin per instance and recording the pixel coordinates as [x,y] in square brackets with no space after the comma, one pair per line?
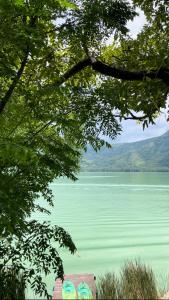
[67,4]
[19,2]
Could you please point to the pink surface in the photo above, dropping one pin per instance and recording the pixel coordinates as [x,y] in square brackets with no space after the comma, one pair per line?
[76,279]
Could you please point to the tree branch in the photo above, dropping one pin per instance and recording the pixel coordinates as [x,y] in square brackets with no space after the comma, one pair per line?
[132,117]
[16,79]
[105,69]
[102,68]
[73,71]
[9,92]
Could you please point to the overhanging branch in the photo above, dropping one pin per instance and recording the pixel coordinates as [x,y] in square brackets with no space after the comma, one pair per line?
[102,68]
[96,65]
[81,65]
[105,69]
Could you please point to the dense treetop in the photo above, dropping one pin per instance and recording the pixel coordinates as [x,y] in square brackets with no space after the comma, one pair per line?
[48,108]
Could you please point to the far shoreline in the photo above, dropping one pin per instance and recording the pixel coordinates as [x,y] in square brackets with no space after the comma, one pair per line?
[124,171]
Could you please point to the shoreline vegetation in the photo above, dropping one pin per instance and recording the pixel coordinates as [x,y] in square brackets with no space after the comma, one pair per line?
[135,281]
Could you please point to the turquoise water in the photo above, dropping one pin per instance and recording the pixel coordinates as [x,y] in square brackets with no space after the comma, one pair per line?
[113,217]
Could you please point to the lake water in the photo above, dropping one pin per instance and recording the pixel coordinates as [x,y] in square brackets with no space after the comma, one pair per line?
[113,217]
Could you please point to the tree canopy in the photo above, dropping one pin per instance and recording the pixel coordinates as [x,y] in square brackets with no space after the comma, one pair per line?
[63,85]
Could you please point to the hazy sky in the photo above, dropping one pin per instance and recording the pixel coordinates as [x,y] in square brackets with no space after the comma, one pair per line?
[131,130]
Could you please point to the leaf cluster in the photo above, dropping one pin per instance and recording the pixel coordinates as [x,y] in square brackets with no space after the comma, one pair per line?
[33,254]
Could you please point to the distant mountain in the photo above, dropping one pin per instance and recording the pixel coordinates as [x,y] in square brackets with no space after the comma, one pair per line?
[147,155]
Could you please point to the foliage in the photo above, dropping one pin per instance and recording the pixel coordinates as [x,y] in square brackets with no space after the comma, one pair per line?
[12,285]
[34,254]
[53,102]
[136,281]
[42,128]
[108,287]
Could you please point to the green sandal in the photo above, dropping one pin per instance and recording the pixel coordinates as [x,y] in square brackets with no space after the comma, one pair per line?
[84,291]
[68,290]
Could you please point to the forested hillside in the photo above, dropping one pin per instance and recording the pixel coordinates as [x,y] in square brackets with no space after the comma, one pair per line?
[148,155]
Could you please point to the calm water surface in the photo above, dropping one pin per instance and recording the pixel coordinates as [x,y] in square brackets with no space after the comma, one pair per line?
[113,217]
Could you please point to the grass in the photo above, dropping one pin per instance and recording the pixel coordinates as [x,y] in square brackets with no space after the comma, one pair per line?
[136,281]
[108,287]
[164,286]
